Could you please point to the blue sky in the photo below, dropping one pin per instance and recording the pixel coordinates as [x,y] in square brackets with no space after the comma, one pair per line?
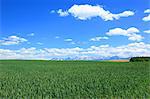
[38,24]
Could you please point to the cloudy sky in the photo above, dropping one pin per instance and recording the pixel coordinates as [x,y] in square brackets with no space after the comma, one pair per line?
[78,29]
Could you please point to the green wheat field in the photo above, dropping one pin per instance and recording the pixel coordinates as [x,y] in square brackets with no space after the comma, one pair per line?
[74,79]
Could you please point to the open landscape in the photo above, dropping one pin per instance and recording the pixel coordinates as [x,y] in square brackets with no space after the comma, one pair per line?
[74,79]
[74,49]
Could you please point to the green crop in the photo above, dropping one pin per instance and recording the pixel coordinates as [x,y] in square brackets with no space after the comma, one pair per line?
[74,79]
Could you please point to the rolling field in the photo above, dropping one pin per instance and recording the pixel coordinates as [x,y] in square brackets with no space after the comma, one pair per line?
[74,79]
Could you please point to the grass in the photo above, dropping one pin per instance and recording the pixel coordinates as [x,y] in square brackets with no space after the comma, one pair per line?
[74,79]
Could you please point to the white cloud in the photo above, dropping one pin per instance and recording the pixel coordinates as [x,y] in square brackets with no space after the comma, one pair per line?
[52,11]
[39,43]
[68,40]
[147,18]
[57,37]
[147,31]
[62,13]
[84,12]
[31,34]
[93,52]
[98,38]
[131,33]
[123,14]
[12,40]
[73,43]
[147,11]
[135,37]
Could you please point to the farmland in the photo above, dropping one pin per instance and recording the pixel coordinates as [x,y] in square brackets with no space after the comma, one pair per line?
[74,79]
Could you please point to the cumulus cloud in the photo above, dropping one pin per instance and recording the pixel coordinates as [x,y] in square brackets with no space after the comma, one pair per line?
[73,43]
[52,11]
[147,11]
[68,40]
[31,34]
[84,12]
[147,18]
[57,37]
[93,52]
[98,38]
[62,13]
[12,40]
[147,31]
[131,33]
[39,43]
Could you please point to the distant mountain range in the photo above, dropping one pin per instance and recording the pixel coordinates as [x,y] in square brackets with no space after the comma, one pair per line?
[90,58]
